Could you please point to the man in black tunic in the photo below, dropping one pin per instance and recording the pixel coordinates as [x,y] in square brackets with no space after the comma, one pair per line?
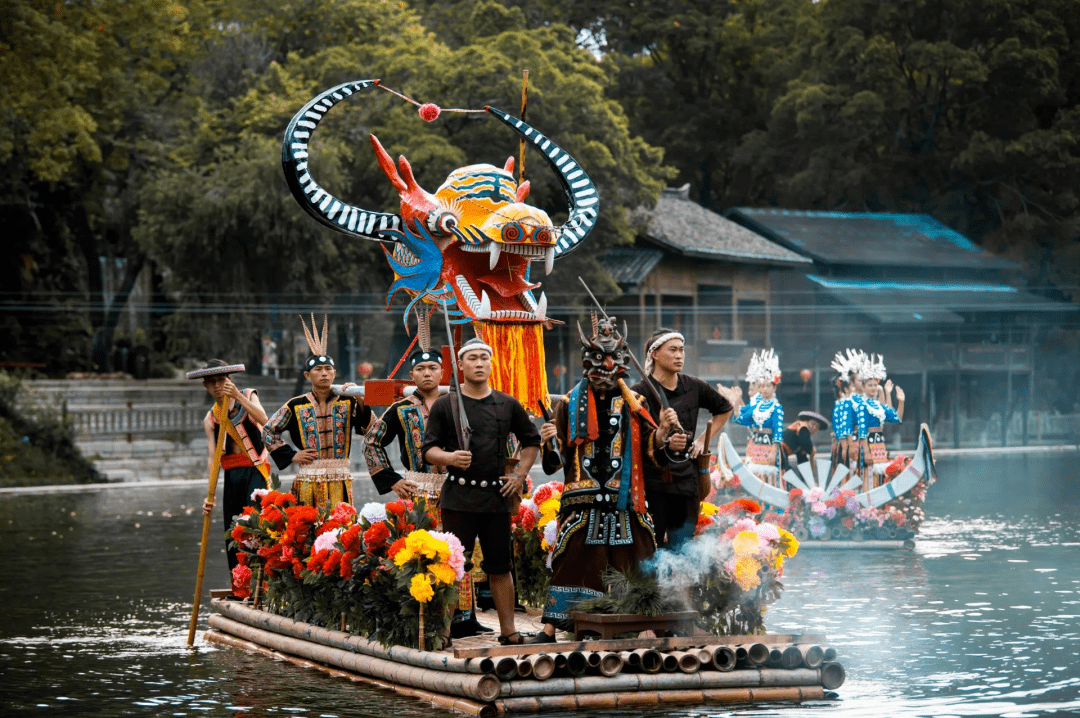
[672,492]
[476,498]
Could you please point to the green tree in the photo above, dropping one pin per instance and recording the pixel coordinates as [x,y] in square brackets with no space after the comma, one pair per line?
[223,204]
[84,89]
[965,110]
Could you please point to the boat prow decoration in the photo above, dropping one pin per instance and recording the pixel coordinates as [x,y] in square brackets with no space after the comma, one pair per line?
[803,477]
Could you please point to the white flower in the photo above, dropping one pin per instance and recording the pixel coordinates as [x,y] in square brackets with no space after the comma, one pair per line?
[374,512]
[258,494]
[549,533]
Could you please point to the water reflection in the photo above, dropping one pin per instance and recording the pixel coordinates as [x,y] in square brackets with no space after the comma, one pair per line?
[983,618]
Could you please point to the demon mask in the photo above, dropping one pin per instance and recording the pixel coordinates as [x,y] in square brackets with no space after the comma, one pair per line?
[604,355]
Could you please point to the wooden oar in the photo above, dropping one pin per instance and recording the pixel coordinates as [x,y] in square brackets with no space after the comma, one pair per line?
[215,466]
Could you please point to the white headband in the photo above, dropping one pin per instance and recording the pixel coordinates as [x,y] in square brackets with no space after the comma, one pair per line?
[474,344]
[656,344]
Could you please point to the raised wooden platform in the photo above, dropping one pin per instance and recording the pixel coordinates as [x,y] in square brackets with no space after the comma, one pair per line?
[479,677]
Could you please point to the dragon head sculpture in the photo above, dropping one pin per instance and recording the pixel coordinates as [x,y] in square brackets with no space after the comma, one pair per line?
[472,243]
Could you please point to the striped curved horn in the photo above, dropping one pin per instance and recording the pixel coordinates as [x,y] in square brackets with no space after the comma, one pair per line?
[326,208]
[580,190]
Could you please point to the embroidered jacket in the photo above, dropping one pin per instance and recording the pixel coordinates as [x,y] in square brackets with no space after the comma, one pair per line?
[872,414]
[604,445]
[761,415]
[843,418]
[249,431]
[329,434]
[404,422]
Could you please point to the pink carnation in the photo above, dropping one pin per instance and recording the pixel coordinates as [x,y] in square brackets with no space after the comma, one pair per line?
[456,560]
[326,541]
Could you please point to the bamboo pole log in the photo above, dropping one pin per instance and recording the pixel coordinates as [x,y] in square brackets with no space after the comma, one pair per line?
[832,675]
[481,687]
[688,661]
[830,654]
[648,660]
[611,664]
[669,662]
[594,659]
[577,663]
[812,656]
[463,705]
[775,656]
[681,697]
[349,642]
[631,659]
[753,678]
[792,657]
[641,699]
[704,657]
[506,668]
[543,666]
[524,668]
[756,653]
[724,658]
[676,643]
[560,660]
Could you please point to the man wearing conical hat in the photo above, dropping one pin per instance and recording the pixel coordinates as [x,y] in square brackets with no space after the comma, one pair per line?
[244,457]
[321,423]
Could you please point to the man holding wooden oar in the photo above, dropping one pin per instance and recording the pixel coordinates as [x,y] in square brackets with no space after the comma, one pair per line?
[217,372]
[243,456]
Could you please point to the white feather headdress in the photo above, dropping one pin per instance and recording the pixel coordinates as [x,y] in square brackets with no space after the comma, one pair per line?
[764,366]
[872,368]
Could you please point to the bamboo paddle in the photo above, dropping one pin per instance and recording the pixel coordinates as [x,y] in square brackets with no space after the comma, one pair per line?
[222,416]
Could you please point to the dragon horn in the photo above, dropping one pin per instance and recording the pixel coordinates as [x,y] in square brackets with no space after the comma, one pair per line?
[326,208]
[580,190]
[585,342]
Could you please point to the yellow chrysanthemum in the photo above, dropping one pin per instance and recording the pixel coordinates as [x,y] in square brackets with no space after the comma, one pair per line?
[420,588]
[746,573]
[746,543]
[789,545]
[708,509]
[423,543]
[442,572]
[403,557]
[549,511]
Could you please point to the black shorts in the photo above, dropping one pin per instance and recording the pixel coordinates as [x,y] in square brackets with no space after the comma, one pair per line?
[493,531]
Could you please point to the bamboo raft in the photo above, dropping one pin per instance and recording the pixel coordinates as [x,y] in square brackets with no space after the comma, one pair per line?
[481,678]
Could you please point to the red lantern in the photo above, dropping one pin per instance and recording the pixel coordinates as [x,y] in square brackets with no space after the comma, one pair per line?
[806,375]
[364,369]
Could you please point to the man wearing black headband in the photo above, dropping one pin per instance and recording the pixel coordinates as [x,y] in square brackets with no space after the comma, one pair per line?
[672,492]
[405,422]
[321,423]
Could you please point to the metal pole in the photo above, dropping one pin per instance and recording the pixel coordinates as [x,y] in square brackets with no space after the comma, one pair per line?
[956,394]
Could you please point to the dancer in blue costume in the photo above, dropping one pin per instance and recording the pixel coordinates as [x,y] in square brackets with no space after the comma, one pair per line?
[872,416]
[764,416]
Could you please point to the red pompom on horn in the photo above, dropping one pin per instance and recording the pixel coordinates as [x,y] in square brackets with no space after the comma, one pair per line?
[429,112]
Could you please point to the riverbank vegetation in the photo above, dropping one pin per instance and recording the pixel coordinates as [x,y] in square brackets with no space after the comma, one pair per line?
[37,446]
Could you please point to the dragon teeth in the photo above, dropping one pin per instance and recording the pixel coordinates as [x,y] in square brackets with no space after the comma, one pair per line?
[494,251]
[549,260]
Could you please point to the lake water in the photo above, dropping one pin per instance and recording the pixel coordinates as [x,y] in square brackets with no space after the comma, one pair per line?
[981,619]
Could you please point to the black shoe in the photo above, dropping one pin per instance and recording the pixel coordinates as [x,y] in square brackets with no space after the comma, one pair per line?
[542,637]
[520,608]
[478,627]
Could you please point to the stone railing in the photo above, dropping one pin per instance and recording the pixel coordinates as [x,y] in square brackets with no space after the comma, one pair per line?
[132,421]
